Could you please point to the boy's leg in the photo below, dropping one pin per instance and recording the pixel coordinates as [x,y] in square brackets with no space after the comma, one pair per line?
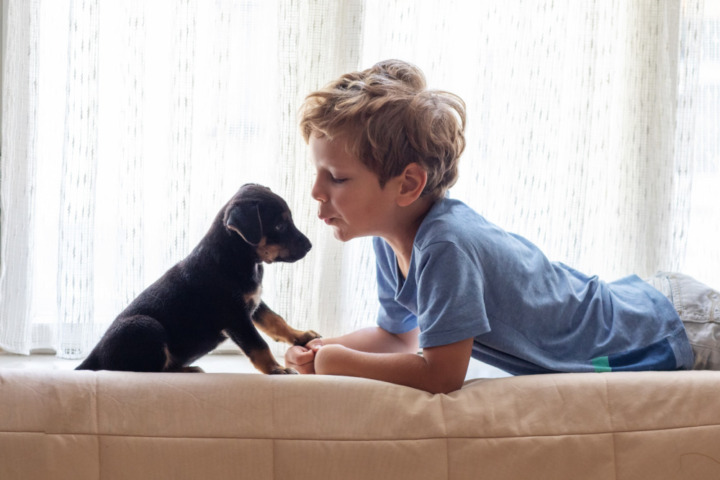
[699,309]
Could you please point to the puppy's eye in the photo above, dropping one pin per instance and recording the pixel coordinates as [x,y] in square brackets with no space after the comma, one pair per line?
[281,227]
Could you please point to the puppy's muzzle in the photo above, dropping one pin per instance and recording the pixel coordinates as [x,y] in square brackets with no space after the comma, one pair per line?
[298,247]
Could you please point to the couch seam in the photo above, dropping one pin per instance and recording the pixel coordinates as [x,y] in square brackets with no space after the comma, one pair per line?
[446,437]
[612,428]
[96,397]
[399,439]
[273,453]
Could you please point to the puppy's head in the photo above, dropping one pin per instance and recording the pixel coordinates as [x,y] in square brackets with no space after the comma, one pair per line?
[263,220]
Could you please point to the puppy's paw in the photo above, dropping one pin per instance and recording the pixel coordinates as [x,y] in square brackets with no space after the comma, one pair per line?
[192,370]
[280,370]
[306,336]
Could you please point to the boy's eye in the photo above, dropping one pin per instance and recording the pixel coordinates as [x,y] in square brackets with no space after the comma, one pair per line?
[338,180]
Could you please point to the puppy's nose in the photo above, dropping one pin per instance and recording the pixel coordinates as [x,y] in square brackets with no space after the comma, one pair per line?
[305,244]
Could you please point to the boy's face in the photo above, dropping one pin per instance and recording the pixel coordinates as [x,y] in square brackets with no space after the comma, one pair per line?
[349,194]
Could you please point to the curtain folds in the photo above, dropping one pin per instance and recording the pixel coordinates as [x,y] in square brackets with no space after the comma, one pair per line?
[19,142]
[593,131]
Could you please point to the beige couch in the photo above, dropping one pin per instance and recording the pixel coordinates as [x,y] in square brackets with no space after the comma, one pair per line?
[112,425]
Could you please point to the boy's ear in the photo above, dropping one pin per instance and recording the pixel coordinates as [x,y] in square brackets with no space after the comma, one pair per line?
[412,183]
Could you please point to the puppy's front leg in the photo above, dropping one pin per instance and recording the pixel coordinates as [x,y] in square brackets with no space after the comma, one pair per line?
[256,349]
[277,328]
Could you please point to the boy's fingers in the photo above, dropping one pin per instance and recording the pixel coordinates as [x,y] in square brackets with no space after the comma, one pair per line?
[300,355]
[306,357]
[315,342]
[301,359]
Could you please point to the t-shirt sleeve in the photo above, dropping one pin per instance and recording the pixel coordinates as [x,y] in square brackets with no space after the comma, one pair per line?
[392,316]
[450,292]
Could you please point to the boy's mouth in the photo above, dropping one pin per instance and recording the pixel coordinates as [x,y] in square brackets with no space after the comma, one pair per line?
[327,220]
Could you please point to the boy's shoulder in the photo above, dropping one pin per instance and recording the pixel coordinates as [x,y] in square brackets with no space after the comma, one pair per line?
[449,220]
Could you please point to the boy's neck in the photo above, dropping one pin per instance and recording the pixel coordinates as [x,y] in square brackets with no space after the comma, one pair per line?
[402,239]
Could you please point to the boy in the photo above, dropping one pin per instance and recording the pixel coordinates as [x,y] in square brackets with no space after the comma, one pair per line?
[386,150]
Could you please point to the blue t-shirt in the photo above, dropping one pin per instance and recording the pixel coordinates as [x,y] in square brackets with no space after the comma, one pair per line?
[470,279]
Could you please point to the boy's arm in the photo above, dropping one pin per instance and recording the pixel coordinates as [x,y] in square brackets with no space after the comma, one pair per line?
[439,370]
[370,339]
[377,340]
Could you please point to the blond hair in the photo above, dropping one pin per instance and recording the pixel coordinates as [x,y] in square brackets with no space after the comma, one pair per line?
[389,119]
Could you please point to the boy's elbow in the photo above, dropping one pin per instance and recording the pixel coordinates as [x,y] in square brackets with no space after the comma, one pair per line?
[444,386]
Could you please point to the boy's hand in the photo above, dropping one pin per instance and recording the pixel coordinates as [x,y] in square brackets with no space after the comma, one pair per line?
[302,358]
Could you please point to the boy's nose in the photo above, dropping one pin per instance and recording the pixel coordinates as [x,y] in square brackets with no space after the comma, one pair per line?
[317,193]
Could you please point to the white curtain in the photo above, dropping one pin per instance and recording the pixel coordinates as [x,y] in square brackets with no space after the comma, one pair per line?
[126,125]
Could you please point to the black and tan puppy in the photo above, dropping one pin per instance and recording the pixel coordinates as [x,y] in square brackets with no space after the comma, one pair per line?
[212,294]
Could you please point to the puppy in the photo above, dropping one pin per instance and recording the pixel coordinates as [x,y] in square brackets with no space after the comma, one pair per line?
[212,294]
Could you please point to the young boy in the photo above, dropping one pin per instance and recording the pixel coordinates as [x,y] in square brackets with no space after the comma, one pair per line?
[386,150]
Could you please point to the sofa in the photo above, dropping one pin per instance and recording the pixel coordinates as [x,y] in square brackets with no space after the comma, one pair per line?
[119,425]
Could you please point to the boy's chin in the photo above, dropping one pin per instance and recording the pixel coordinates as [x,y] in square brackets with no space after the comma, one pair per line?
[341,234]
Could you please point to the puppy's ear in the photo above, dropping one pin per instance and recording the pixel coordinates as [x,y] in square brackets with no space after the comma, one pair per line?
[244,219]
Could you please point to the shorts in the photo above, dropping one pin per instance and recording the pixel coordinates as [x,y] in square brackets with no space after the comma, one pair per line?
[699,309]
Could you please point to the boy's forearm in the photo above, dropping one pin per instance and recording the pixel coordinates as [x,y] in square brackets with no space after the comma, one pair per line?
[376,340]
[407,369]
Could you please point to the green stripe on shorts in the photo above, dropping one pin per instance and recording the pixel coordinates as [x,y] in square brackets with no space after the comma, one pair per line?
[601,364]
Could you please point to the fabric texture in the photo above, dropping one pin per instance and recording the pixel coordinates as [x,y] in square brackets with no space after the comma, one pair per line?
[699,308]
[117,425]
[469,278]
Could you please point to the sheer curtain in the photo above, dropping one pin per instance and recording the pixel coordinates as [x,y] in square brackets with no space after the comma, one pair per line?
[593,131]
